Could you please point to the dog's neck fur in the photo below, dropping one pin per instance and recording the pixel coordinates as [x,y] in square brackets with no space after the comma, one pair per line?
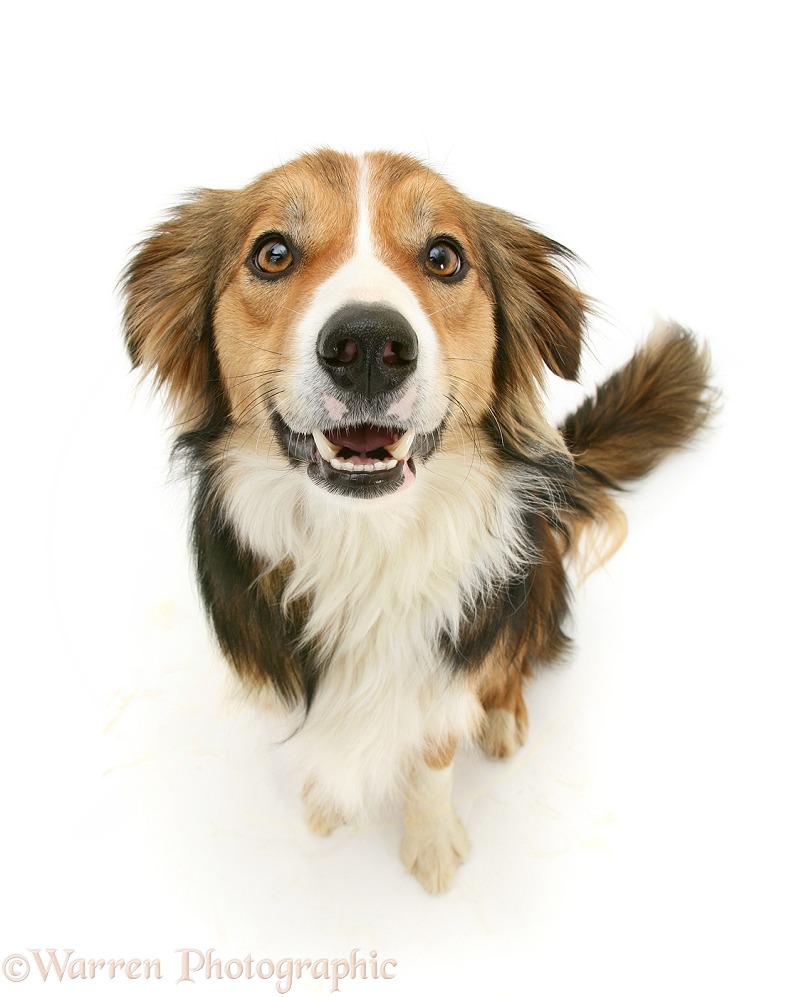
[371,568]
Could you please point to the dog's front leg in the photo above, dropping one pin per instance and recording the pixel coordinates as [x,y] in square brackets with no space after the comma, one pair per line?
[435,842]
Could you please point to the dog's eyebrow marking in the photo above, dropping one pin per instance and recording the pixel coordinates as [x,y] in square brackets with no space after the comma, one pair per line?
[296,211]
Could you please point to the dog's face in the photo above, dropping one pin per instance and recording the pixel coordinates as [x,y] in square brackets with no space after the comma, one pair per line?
[358,298]
[349,311]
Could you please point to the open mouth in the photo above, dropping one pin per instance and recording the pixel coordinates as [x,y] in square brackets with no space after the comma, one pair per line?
[363,460]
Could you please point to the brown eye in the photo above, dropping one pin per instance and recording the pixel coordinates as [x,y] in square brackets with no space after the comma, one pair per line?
[443,259]
[272,257]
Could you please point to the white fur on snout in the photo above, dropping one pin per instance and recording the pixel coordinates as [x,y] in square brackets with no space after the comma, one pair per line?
[404,407]
[363,279]
[336,408]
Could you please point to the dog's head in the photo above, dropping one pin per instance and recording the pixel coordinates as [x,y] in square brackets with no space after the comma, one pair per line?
[352,309]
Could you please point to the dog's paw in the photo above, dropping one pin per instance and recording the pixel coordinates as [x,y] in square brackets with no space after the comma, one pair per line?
[320,817]
[433,849]
[503,732]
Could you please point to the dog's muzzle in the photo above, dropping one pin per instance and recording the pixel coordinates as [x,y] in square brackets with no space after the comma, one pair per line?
[368,352]
[367,349]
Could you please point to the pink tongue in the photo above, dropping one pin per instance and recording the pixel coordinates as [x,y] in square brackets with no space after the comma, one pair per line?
[363,439]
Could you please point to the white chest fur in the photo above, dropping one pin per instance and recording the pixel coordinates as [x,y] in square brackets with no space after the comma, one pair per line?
[384,578]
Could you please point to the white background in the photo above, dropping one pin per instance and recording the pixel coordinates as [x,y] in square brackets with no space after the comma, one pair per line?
[637,844]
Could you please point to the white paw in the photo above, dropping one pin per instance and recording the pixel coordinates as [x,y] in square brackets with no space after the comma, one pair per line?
[320,817]
[433,849]
[502,733]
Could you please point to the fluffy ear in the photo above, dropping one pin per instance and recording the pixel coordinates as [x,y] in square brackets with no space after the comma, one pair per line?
[170,286]
[540,314]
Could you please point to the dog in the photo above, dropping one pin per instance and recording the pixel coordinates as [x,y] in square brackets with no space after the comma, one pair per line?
[355,356]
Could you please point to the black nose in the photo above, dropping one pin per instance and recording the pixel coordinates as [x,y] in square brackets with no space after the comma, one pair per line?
[367,349]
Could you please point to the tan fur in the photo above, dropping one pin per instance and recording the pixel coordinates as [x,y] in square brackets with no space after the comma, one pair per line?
[544,315]
[313,200]
[172,284]
[655,404]
[414,204]
[438,755]
[499,687]
[593,540]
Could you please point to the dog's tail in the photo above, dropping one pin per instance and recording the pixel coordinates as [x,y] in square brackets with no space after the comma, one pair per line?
[652,406]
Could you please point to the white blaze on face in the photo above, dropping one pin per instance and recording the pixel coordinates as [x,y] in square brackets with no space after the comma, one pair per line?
[365,279]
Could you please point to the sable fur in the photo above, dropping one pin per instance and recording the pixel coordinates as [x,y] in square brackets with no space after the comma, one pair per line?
[395,628]
[655,404]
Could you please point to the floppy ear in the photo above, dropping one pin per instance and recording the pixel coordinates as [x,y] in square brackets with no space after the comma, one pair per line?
[539,313]
[170,286]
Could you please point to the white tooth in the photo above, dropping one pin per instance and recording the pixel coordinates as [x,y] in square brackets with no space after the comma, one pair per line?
[325,449]
[400,449]
[389,464]
[368,468]
[336,464]
[379,465]
[348,466]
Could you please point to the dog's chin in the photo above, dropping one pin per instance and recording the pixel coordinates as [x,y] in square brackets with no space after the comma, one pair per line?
[364,484]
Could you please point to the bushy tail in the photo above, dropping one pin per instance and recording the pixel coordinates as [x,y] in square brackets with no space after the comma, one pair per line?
[653,405]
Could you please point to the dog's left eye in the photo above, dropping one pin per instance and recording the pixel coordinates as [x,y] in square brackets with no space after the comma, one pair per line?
[443,259]
[272,257]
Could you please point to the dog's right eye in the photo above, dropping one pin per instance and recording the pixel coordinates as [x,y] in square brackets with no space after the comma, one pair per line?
[272,257]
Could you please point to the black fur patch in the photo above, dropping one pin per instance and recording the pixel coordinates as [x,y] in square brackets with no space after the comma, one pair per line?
[242,596]
[525,616]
